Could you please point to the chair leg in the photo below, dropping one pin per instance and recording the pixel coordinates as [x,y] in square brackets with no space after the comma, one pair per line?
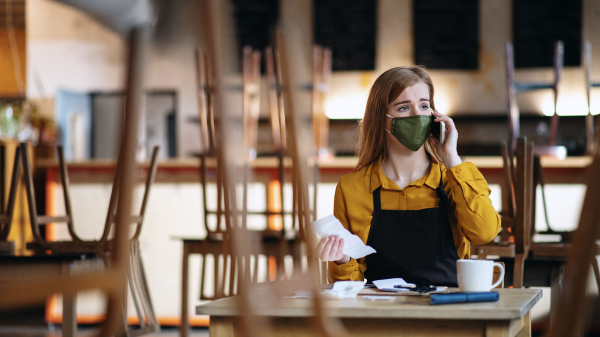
[518,271]
[184,327]
[596,268]
[140,294]
[131,279]
[150,315]
[481,254]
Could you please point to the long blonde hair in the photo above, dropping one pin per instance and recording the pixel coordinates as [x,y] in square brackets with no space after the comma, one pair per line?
[387,87]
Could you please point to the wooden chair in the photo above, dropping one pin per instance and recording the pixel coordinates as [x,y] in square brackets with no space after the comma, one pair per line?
[567,321]
[112,280]
[249,323]
[514,87]
[515,235]
[7,209]
[274,242]
[102,247]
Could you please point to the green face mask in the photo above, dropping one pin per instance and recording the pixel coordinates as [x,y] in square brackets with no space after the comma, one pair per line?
[411,131]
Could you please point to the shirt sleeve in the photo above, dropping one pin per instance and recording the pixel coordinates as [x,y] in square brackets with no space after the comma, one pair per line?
[352,270]
[469,191]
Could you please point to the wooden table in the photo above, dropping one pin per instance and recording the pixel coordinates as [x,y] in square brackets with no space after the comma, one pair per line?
[400,316]
[28,268]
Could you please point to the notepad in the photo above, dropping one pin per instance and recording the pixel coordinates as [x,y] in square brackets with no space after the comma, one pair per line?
[461,297]
[353,245]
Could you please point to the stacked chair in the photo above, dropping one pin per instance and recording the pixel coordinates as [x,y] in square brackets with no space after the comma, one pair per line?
[240,239]
[103,247]
[514,242]
[7,208]
[281,238]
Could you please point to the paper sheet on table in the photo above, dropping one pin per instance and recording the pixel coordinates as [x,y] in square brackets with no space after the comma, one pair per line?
[345,289]
[388,284]
[353,245]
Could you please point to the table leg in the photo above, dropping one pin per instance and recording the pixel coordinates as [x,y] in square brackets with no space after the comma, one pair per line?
[185,324]
[556,282]
[220,326]
[505,328]
[526,331]
[69,319]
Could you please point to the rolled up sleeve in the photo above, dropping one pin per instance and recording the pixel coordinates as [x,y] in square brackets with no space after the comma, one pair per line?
[476,217]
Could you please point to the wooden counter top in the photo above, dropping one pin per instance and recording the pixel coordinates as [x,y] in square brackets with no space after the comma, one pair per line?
[335,163]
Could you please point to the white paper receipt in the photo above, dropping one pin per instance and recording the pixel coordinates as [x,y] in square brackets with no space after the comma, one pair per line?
[388,284]
[353,245]
[345,289]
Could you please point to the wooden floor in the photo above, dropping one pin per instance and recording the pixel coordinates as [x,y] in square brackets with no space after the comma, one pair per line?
[87,332]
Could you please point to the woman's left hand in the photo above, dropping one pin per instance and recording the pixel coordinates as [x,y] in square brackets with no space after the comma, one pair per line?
[447,151]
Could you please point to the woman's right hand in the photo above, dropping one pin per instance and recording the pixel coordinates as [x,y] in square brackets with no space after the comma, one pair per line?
[330,248]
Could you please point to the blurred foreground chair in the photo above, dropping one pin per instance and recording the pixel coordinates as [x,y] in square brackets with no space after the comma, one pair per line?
[590,129]
[274,242]
[102,247]
[570,311]
[112,280]
[7,209]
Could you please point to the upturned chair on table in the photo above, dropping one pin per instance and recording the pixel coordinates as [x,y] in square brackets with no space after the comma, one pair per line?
[7,208]
[515,235]
[272,242]
[102,247]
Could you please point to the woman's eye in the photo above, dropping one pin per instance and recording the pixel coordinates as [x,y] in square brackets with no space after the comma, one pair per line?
[403,108]
[424,107]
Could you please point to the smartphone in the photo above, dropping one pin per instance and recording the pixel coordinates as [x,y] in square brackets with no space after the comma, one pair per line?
[438,129]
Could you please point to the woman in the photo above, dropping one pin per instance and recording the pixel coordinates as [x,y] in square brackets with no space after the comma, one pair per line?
[410,198]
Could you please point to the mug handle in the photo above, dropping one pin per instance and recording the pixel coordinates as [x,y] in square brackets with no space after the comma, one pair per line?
[496,264]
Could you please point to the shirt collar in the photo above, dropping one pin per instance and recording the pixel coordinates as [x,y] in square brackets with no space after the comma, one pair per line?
[377,178]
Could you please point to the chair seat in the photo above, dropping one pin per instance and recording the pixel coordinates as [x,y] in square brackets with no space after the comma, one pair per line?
[70,247]
[7,248]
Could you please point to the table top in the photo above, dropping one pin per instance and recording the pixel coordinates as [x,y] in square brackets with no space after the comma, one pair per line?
[513,304]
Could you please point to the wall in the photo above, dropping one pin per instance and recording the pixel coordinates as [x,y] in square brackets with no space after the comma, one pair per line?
[468,92]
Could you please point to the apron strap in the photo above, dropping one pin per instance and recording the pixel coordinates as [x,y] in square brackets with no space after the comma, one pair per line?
[443,204]
[377,200]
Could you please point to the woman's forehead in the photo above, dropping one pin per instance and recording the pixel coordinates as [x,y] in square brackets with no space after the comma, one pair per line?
[414,93]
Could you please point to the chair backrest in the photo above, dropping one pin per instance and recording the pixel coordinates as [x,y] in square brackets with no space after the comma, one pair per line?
[508,195]
[524,189]
[7,209]
[320,87]
[138,219]
[206,119]
[250,98]
[111,280]
[277,112]
[39,220]
[513,87]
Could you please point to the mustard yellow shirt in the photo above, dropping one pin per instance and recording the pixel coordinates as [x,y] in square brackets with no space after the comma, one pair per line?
[473,219]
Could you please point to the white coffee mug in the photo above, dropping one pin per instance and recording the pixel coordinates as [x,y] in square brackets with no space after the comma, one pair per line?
[477,275]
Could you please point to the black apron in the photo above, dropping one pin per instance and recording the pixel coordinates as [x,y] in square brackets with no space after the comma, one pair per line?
[417,246]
